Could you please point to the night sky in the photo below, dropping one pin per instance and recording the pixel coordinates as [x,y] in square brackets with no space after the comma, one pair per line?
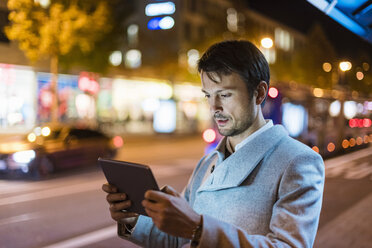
[301,15]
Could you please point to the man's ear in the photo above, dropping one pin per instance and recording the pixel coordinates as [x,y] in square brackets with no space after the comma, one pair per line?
[262,89]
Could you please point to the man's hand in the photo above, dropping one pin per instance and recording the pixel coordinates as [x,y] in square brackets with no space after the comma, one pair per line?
[170,212]
[118,202]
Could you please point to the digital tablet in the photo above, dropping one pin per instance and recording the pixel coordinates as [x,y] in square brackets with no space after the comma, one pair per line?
[130,178]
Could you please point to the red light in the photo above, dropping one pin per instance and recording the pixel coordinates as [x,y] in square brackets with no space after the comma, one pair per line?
[209,135]
[118,141]
[88,84]
[46,98]
[367,122]
[353,123]
[273,92]
[360,122]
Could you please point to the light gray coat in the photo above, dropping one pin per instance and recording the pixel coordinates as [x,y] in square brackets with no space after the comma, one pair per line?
[266,194]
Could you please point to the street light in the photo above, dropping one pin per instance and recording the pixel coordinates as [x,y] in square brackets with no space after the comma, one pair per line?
[267,43]
[345,65]
[267,50]
[43,3]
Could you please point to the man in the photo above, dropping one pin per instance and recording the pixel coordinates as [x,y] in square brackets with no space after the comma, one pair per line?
[259,188]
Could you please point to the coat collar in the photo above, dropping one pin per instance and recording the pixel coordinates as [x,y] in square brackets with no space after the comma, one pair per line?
[237,167]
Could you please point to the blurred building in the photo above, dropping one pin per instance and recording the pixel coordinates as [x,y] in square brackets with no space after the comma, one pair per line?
[153,85]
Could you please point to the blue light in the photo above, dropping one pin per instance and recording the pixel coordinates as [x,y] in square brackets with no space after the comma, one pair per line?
[340,17]
[166,22]
[347,22]
[153,24]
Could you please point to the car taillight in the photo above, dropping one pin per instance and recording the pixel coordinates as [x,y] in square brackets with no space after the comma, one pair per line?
[118,141]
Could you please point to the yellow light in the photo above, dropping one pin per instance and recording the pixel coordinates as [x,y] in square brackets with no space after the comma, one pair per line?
[267,43]
[366,139]
[31,137]
[345,65]
[335,94]
[359,75]
[365,66]
[359,141]
[45,131]
[327,67]
[331,147]
[316,149]
[352,142]
[345,143]
[318,92]
[354,94]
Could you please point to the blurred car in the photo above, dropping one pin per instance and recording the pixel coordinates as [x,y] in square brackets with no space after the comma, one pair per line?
[53,148]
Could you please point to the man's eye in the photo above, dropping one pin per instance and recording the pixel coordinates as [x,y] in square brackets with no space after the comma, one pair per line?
[225,95]
[207,96]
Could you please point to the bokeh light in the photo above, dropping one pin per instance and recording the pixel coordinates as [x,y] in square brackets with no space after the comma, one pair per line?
[359,75]
[345,143]
[318,92]
[331,147]
[315,148]
[267,42]
[273,92]
[209,135]
[31,137]
[45,131]
[118,141]
[327,67]
[345,65]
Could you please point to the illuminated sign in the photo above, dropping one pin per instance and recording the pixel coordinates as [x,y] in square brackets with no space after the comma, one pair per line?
[165,117]
[88,84]
[156,9]
[294,118]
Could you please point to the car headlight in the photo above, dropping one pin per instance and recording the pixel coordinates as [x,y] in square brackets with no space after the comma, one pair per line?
[24,156]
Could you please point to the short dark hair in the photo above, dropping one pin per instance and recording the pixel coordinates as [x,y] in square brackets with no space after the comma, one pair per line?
[239,56]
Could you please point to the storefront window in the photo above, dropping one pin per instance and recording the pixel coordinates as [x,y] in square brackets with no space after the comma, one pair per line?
[17,94]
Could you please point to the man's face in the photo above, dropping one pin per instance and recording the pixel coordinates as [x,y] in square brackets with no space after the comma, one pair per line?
[232,108]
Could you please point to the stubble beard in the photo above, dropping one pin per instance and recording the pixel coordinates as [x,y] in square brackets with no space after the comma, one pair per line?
[235,130]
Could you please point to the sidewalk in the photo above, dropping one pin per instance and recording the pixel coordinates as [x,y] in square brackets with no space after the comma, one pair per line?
[352,228]
[347,203]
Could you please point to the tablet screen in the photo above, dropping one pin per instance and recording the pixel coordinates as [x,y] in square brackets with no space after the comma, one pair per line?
[130,178]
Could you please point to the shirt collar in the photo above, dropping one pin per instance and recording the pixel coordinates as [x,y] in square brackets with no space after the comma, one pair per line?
[269,123]
[222,146]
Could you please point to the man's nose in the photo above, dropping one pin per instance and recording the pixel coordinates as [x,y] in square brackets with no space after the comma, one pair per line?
[215,104]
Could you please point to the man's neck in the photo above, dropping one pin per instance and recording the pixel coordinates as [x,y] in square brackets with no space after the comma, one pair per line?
[259,122]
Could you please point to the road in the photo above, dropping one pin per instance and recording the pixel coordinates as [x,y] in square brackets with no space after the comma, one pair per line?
[69,210]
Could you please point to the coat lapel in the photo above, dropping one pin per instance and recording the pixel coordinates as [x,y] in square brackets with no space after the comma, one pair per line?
[237,167]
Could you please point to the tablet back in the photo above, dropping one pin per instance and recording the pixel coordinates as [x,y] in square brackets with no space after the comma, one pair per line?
[130,178]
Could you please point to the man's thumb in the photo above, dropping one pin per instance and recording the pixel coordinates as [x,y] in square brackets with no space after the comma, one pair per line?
[169,190]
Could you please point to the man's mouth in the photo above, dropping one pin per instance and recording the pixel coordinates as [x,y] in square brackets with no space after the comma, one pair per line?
[221,122]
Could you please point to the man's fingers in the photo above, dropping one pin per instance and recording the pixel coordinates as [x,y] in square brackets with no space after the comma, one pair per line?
[169,190]
[118,216]
[116,197]
[150,212]
[155,195]
[108,188]
[153,206]
[120,205]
